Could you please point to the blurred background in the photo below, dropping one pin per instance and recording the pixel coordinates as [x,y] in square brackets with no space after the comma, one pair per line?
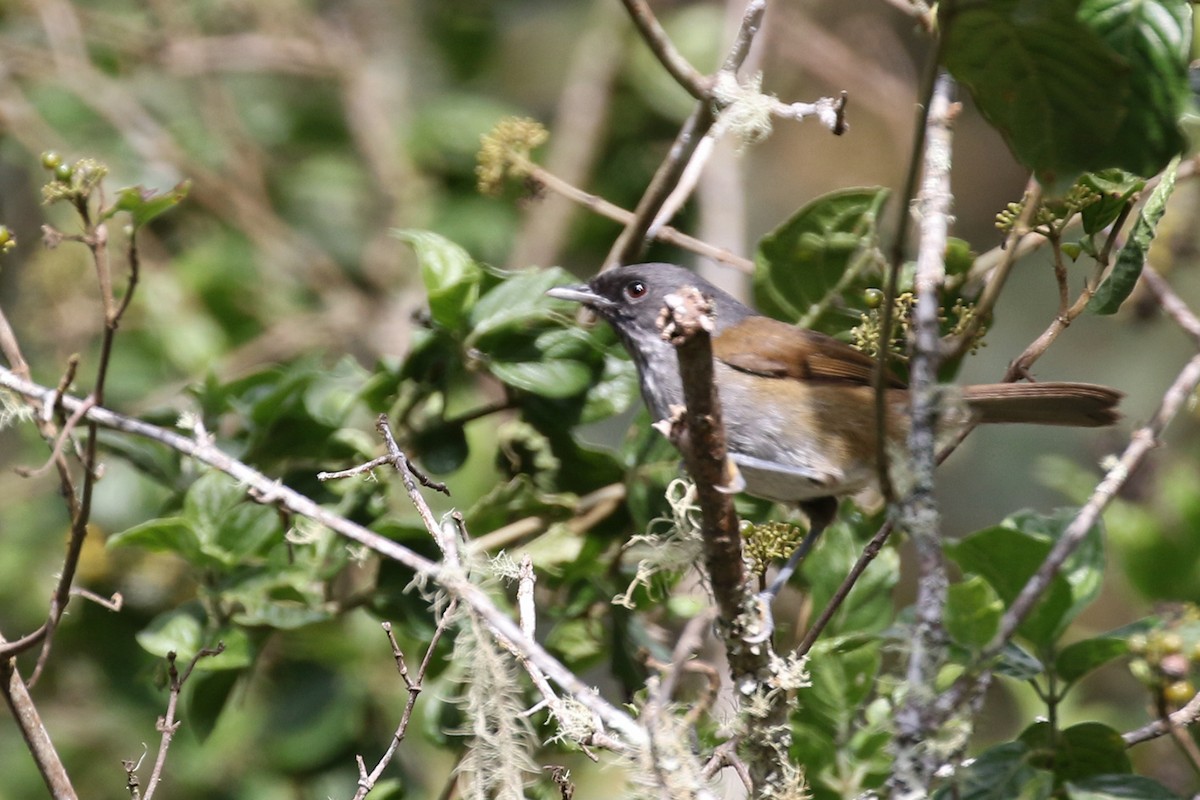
[309,129]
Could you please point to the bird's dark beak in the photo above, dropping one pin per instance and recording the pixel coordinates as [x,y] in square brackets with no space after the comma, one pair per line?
[580,294]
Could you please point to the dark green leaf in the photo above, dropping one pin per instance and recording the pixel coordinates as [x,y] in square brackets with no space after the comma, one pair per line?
[805,259]
[1125,273]
[1118,787]
[1002,772]
[1154,38]
[207,694]
[1075,86]
[1080,751]
[450,275]
[441,449]
[1080,658]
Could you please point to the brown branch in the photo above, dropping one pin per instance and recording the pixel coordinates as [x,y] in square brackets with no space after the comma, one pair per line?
[1184,717]
[687,76]
[614,212]
[33,730]
[700,436]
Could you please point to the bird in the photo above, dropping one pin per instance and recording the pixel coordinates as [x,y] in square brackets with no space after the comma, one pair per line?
[799,405]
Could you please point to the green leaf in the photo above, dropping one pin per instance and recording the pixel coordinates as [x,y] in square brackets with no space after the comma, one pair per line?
[179,631]
[450,275]
[972,612]
[441,448]
[516,303]
[553,377]
[229,527]
[144,205]
[1118,787]
[206,696]
[1125,273]
[1116,187]
[1018,663]
[1002,772]
[1008,555]
[1075,86]
[615,392]
[162,535]
[1080,658]
[1154,38]
[806,258]
[1080,751]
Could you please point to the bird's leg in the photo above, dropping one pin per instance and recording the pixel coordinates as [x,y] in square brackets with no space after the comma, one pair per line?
[820,513]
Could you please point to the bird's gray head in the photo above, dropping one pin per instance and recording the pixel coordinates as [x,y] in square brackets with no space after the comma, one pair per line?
[631,299]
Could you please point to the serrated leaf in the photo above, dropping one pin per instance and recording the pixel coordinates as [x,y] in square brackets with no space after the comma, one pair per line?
[1125,273]
[1076,86]
[1154,38]
[450,275]
[804,259]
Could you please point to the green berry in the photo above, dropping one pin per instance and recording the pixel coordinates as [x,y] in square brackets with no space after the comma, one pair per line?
[51,160]
[1179,692]
[63,172]
[5,235]
[873,298]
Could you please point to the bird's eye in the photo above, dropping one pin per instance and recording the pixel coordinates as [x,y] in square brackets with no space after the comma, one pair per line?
[635,290]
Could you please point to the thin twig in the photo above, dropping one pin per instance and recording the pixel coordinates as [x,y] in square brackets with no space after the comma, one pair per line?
[614,212]
[414,685]
[167,724]
[687,76]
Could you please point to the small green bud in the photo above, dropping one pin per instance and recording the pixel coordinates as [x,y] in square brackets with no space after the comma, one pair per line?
[62,172]
[872,298]
[51,160]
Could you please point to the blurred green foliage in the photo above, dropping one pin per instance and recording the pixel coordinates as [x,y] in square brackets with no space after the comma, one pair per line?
[332,260]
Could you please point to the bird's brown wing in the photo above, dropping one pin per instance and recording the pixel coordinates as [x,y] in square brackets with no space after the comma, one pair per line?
[774,349]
